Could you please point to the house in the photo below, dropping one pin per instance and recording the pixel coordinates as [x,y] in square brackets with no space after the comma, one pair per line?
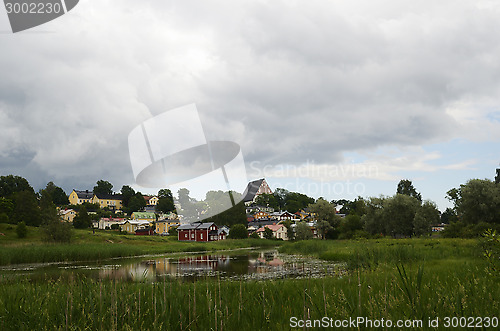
[144,216]
[148,231]
[438,227]
[131,226]
[105,223]
[222,233]
[151,200]
[254,189]
[163,226]
[282,216]
[261,214]
[78,197]
[279,231]
[198,231]
[112,201]
[67,215]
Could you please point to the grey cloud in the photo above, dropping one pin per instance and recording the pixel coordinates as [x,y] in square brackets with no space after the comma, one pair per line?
[288,82]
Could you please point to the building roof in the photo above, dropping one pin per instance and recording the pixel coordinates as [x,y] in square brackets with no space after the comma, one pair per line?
[104,196]
[273,227]
[143,214]
[84,194]
[252,189]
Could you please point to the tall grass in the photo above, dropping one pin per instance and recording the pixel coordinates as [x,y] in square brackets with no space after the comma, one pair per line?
[81,303]
[92,251]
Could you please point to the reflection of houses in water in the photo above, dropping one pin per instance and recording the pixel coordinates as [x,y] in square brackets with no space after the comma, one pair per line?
[264,262]
[137,271]
[201,263]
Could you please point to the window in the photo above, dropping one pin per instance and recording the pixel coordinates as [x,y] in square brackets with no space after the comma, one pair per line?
[201,236]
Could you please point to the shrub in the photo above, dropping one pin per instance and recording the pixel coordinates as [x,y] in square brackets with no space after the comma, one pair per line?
[21,230]
[254,235]
[238,231]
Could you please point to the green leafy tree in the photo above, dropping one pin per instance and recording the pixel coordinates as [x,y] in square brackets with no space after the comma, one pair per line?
[289,230]
[280,195]
[425,216]
[165,202]
[349,225]
[398,215]
[53,229]
[11,184]
[267,200]
[82,220]
[303,231]
[136,203]
[406,187]
[127,193]
[327,219]
[21,230]
[26,208]
[373,219]
[477,201]
[268,233]
[254,235]
[238,231]
[103,187]
[449,216]
[56,194]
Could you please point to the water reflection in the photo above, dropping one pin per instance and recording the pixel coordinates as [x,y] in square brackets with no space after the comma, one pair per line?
[258,265]
[253,265]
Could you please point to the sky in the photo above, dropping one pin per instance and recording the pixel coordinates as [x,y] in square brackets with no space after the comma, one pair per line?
[333,99]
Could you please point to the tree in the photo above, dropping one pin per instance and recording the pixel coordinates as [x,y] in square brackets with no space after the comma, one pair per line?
[398,215]
[57,195]
[425,216]
[268,233]
[136,203]
[21,230]
[11,184]
[267,200]
[82,220]
[238,231]
[289,230]
[280,195]
[406,187]
[327,219]
[303,231]
[26,208]
[477,201]
[349,225]
[372,219]
[449,216]
[165,202]
[127,193]
[103,187]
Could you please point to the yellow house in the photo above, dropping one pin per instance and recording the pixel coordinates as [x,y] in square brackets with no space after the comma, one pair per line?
[112,201]
[67,215]
[164,226]
[78,197]
[261,214]
[130,225]
[151,201]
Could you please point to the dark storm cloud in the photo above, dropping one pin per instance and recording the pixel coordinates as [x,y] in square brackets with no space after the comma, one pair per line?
[289,81]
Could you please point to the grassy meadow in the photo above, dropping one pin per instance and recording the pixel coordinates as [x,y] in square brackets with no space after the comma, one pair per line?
[394,279]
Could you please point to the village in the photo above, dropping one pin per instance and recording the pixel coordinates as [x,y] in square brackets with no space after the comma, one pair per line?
[262,221]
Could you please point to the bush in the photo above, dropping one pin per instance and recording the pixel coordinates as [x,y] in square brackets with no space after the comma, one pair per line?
[254,235]
[57,231]
[21,230]
[238,231]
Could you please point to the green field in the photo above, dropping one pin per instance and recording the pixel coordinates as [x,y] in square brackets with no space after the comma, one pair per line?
[407,279]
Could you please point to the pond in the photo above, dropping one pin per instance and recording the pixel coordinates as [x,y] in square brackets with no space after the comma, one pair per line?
[257,265]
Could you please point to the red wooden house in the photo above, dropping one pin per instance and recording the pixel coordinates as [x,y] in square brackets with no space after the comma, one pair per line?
[197,232]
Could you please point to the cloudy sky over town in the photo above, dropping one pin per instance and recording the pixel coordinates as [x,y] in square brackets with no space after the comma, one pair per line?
[329,98]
